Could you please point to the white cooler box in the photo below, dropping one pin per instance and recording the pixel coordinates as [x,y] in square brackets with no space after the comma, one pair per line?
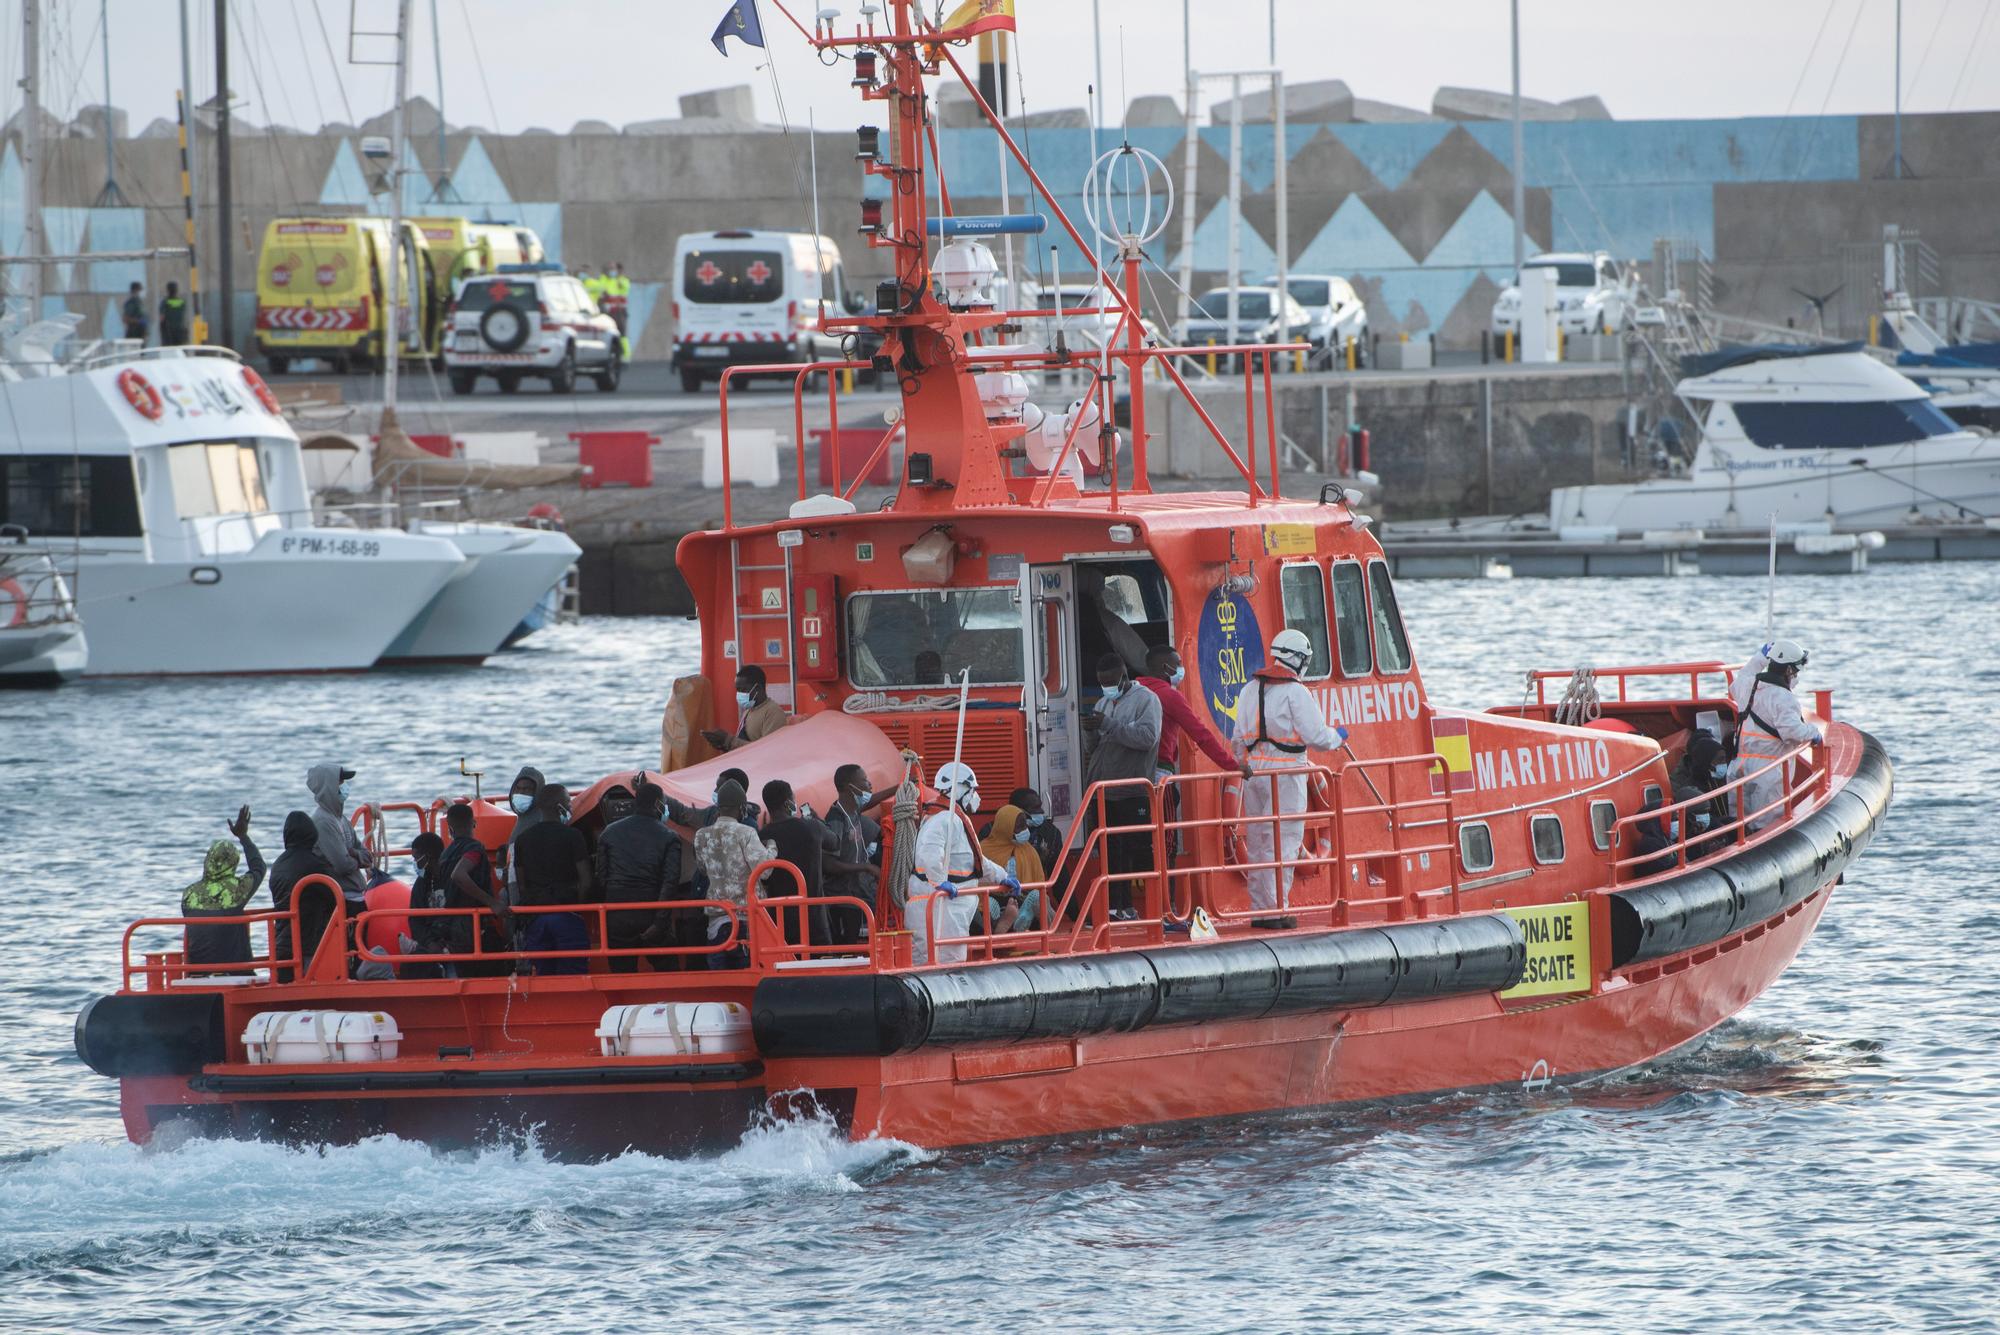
[280,1037]
[675,1029]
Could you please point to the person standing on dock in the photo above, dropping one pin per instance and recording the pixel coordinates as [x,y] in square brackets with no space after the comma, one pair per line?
[134,313]
[1769,723]
[1277,723]
[173,318]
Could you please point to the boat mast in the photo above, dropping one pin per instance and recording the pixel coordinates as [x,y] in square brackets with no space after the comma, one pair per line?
[392,330]
[225,285]
[31,151]
[190,187]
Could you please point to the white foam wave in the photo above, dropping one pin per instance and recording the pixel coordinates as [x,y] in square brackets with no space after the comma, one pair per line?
[102,1194]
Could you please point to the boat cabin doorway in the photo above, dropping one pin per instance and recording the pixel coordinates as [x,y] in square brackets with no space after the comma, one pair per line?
[1074,612]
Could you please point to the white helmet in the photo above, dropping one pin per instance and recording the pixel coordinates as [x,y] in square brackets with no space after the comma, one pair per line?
[957,782]
[1292,648]
[1787,653]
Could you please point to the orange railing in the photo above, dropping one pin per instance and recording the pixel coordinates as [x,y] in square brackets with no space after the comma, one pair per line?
[1813,781]
[372,821]
[1256,361]
[161,969]
[773,942]
[360,954]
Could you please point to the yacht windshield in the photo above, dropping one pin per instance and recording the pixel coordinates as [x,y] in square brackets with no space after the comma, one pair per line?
[1841,426]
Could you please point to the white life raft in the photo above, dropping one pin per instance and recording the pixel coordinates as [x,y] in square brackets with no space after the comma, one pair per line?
[675,1029]
[284,1037]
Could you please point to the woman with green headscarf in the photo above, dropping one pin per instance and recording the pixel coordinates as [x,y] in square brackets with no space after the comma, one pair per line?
[221,893]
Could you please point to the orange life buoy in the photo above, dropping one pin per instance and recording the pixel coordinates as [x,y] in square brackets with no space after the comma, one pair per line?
[11,590]
[263,391]
[139,392]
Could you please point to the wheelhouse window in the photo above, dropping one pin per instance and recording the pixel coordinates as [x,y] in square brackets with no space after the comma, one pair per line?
[220,478]
[926,637]
[61,494]
[733,277]
[1350,620]
[1546,832]
[1603,818]
[1841,426]
[1475,847]
[1303,591]
[1392,647]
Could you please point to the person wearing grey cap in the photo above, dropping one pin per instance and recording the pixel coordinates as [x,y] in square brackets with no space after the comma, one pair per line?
[727,851]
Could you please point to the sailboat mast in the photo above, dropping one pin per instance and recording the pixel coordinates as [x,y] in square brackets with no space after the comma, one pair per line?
[392,329]
[31,152]
[225,284]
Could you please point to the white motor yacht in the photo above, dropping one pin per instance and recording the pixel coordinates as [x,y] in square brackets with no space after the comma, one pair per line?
[41,637]
[1819,435]
[168,487]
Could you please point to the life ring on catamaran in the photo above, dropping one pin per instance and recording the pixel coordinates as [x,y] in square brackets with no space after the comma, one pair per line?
[15,599]
[139,392]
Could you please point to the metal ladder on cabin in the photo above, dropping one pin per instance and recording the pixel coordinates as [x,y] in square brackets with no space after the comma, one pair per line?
[748,622]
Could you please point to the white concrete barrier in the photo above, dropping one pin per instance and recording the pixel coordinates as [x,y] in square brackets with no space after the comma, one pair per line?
[502,447]
[753,456]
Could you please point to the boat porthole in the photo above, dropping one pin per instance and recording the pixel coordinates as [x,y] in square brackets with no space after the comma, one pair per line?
[205,575]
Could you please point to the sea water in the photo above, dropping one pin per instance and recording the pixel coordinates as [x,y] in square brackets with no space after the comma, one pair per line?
[1829,1159]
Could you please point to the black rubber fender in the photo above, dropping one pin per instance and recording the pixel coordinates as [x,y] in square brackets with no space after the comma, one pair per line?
[1097,994]
[1230,980]
[1451,956]
[838,1015]
[1335,969]
[144,1033]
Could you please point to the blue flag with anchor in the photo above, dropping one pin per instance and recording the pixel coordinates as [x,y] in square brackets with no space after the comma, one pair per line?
[741,23]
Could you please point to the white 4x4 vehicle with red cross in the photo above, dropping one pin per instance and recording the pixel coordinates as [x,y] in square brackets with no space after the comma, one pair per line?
[529,320]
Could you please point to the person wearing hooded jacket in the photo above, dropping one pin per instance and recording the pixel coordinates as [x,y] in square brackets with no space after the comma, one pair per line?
[521,795]
[1769,723]
[1278,725]
[338,844]
[300,859]
[221,893]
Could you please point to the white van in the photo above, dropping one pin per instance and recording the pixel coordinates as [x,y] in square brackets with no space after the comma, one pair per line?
[746,297]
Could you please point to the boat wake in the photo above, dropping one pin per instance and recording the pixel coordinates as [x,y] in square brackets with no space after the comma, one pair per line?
[1744,1057]
[97,1199]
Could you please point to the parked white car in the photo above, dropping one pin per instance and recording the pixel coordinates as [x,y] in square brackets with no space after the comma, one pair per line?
[529,320]
[1591,297]
[1337,312]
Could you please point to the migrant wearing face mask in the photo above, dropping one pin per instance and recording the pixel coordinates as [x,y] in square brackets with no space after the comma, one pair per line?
[529,784]
[337,842]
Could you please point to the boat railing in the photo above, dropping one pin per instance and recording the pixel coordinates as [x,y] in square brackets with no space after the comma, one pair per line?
[1261,477]
[371,822]
[32,591]
[595,913]
[780,930]
[1620,680]
[164,969]
[1351,856]
[121,356]
[1805,778]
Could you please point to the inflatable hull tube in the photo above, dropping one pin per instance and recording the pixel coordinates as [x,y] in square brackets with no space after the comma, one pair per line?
[1725,895]
[151,1034]
[875,1016]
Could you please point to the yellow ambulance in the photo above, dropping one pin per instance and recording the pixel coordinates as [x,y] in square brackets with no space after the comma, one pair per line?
[321,284]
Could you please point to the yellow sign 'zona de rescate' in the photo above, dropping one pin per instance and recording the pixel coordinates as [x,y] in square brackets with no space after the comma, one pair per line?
[1558,937]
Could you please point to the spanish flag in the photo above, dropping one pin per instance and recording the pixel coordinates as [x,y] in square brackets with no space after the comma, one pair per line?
[977,16]
[1451,738]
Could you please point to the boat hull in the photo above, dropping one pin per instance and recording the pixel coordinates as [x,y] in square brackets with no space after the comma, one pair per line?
[508,572]
[43,656]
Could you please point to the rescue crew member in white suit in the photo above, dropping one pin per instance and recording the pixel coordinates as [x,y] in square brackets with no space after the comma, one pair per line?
[948,860]
[1769,723]
[1277,723]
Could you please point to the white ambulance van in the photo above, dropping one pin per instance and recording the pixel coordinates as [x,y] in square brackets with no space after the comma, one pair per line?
[743,298]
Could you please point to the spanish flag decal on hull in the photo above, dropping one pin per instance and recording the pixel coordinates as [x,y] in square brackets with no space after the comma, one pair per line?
[1451,738]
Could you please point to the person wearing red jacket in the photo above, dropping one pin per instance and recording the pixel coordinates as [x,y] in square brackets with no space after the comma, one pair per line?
[1180,723]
